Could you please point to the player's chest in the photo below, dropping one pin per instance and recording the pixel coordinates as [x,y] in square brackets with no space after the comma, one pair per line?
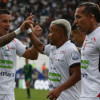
[89,46]
[7,50]
[57,57]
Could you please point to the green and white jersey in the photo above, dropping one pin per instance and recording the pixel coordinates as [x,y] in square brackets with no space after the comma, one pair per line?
[8,65]
[90,65]
[60,60]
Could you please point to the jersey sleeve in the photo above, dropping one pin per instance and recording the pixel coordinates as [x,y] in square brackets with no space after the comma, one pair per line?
[47,49]
[20,48]
[72,56]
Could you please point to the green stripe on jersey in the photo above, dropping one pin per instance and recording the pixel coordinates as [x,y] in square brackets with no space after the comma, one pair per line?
[6,64]
[6,61]
[10,67]
[84,64]
[55,77]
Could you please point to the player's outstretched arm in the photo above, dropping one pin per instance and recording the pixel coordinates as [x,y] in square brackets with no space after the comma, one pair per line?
[9,37]
[31,53]
[33,37]
[36,32]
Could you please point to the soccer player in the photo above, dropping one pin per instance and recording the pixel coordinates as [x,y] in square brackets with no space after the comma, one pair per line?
[64,61]
[27,71]
[8,55]
[87,17]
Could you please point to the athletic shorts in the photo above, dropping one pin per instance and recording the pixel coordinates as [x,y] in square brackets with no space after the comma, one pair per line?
[90,98]
[7,97]
[28,79]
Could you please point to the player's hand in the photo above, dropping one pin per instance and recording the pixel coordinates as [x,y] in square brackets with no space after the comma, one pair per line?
[30,17]
[37,30]
[54,94]
[25,25]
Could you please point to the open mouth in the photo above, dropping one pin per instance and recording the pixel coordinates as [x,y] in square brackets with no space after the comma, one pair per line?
[6,29]
[78,27]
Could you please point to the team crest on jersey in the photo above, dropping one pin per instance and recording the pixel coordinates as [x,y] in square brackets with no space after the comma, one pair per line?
[75,55]
[6,47]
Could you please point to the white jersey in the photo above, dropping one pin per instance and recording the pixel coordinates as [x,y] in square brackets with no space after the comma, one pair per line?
[8,65]
[90,65]
[60,60]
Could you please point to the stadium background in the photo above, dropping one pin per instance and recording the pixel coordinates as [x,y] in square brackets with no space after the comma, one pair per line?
[45,11]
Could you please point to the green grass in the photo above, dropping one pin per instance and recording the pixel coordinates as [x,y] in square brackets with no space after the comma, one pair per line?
[20,94]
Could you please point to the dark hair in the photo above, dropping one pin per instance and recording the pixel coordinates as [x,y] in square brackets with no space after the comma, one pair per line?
[4,11]
[91,8]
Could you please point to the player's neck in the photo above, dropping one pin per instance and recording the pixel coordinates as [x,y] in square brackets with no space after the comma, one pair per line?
[92,28]
[61,42]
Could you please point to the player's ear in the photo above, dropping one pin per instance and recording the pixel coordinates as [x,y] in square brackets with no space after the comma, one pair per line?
[91,17]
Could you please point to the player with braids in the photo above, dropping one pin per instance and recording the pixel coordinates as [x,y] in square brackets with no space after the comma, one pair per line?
[87,17]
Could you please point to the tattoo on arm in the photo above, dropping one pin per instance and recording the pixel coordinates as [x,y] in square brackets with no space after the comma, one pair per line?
[6,39]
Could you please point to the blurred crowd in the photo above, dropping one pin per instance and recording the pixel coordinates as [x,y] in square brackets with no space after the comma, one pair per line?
[44,10]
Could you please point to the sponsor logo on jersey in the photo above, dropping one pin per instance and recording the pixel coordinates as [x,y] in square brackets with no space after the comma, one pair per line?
[54,77]
[84,64]
[84,75]
[56,59]
[59,60]
[75,55]
[7,74]
[6,64]
[7,55]
[52,86]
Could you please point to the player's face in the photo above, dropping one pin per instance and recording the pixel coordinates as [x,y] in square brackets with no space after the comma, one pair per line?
[82,20]
[5,22]
[53,34]
[77,38]
[74,36]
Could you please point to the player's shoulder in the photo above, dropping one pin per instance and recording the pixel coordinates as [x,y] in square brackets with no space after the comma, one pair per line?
[15,40]
[70,45]
[50,47]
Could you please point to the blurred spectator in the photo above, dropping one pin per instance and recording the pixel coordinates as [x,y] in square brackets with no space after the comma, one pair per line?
[44,70]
